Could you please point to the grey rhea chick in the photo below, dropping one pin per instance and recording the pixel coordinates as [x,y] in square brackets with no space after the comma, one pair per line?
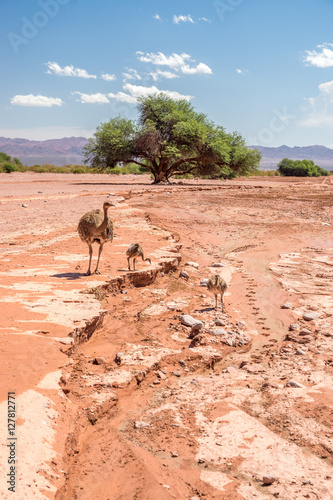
[135,250]
[217,286]
[96,227]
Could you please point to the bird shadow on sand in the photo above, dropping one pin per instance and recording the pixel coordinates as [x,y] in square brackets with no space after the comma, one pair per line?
[205,309]
[69,276]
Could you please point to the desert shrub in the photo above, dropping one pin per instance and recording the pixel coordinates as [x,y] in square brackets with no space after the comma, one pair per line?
[78,171]
[132,168]
[117,171]
[9,167]
[38,169]
[300,168]
[4,157]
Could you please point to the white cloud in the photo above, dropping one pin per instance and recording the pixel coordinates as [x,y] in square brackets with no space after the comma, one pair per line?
[200,69]
[107,77]
[322,58]
[122,97]
[158,74]
[135,91]
[91,98]
[177,62]
[318,111]
[131,75]
[55,69]
[182,19]
[326,88]
[156,16]
[242,71]
[39,101]
[159,59]
[204,19]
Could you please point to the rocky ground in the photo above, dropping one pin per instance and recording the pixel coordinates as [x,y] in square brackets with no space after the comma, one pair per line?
[130,385]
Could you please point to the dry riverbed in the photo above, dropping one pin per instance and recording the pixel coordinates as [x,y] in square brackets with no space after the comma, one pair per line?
[117,397]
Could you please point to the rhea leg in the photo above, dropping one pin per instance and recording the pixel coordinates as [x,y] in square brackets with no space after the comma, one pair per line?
[134,263]
[88,273]
[129,264]
[99,255]
[215,301]
[222,303]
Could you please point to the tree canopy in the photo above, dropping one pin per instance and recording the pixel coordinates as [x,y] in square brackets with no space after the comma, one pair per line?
[170,138]
[300,168]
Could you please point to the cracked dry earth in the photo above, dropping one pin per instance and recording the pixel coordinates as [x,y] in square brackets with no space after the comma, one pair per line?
[117,397]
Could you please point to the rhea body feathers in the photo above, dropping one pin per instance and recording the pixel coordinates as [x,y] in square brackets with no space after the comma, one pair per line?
[135,250]
[217,286]
[96,227]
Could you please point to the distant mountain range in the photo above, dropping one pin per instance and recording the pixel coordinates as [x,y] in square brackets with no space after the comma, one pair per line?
[54,151]
[321,155]
[69,151]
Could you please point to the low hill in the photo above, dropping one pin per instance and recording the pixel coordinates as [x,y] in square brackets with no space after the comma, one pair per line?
[69,151]
[55,151]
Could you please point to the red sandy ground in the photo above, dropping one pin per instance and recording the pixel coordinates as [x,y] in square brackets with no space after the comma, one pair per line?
[228,419]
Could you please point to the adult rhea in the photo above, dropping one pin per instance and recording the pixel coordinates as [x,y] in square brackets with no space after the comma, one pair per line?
[96,227]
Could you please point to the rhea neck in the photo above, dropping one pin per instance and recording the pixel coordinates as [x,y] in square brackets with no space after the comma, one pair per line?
[104,224]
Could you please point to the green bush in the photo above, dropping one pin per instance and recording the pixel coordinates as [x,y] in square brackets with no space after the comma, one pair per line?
[300,168]
[9,167]
[4,157]
[78,171]
[116,171]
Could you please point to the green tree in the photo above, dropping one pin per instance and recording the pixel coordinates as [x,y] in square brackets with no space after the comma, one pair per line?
[170,138]
[300,168]
[4,157]
[9,167]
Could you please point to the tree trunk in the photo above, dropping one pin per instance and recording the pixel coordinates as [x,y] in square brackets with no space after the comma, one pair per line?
[160,177]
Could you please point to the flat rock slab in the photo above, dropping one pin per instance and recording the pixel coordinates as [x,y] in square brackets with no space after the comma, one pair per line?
[188,320]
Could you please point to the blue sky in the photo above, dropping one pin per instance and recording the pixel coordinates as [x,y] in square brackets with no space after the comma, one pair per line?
[263,68]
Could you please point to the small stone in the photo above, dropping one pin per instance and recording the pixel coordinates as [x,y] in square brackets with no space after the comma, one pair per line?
[161,375]
[184,274]
[201,461]
[174,454]
[112,194]
[294,384]
[176,374]
[115,384]
[24,205]
[268,480]
[217,264]
[305,339]
[311,316]
[305,331]
[99,360]
[204,282]
[141,425]
[287,305]
[219,331]
[219,322]
[192,264]
[294,326]
[230,342]
[157,381]
[299,351]
[118,358]
[67,341]
[140,377]
[188,320]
